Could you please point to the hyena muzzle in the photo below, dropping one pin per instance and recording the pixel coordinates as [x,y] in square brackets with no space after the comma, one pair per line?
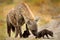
[17,17]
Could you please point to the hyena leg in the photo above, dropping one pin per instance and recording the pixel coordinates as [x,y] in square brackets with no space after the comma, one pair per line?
[9,29]
[43,36]
[17,31]
[20,31]
[47,36]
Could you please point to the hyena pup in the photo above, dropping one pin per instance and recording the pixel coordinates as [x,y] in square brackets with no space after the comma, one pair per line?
[44,32]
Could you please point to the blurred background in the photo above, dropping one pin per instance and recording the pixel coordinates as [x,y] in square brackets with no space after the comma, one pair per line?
[45,9]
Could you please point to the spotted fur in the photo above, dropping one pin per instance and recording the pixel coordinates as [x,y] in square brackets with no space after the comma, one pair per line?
[18,16]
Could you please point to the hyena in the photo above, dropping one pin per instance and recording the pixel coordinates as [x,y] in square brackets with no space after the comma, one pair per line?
[18,16]
[44,32]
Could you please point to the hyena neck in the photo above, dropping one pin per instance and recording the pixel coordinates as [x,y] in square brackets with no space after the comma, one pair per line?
[27,11]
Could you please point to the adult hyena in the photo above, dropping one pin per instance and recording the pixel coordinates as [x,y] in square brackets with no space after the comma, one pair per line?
[18,16]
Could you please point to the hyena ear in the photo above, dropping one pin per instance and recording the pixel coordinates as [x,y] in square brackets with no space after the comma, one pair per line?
[37,18]
[28,22]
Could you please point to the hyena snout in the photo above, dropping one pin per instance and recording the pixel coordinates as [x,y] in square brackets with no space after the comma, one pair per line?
[34,32]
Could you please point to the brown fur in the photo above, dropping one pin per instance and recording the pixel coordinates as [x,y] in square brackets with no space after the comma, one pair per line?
[18,16]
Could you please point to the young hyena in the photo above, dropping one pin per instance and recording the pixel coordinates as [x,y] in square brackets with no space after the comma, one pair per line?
[18,16]
[26,32]
[44,32]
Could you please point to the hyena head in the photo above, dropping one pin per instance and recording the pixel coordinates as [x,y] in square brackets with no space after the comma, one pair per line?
[51,33]
[32,25]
